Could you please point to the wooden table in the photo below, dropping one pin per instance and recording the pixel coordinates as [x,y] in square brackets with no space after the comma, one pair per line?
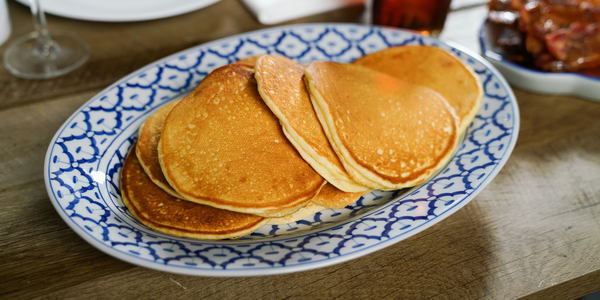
[534,232]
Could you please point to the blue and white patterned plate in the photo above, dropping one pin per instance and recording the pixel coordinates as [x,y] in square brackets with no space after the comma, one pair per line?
[84,159]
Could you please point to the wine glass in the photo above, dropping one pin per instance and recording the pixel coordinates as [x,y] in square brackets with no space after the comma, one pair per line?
[39,55]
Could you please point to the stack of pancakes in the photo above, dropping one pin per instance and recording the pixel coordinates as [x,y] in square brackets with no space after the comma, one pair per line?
[269,141]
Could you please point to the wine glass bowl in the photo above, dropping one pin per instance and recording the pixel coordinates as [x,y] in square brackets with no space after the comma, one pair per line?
[41,55]
[29,58]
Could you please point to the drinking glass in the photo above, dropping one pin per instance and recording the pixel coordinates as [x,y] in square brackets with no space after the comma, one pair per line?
[41,55]
[426,16]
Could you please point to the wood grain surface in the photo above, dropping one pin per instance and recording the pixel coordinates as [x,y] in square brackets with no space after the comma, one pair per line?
[534,232]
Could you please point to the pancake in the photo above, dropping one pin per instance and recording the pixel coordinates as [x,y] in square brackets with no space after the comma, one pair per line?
[222,146]
[146,150]
[281,86]
[302,213]
[331,197]
[389,134]
[436,69]
[153,207]
[149,136]
[147,154]
[251,61]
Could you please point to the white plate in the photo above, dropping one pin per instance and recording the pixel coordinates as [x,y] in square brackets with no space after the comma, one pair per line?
[542,82]
[84,158]
[120,10]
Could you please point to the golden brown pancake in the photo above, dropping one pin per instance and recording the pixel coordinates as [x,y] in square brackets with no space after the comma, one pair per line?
[308,210]
[222,146]
[389,134]
[153,207]
[146,150]
[251,61]
[282,88]
[149,136]
[328,197]
[436,69]
[332,197]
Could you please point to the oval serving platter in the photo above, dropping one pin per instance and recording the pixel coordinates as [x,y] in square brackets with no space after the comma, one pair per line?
[84,158]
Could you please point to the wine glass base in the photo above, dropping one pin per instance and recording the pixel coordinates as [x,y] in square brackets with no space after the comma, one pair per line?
[23,59]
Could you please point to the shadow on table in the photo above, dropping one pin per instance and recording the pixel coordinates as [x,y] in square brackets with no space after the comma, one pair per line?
[592,296]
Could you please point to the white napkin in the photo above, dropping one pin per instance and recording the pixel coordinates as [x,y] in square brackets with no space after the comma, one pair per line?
[4,22]
[277,11]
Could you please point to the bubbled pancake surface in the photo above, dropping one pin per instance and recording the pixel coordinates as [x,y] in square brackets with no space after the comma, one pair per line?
[385,131]
[147,147]
[222,146]
[282,88]
[332,197]
[436,69]
[162,212]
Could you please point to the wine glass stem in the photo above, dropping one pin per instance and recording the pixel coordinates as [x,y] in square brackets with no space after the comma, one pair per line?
[45,44]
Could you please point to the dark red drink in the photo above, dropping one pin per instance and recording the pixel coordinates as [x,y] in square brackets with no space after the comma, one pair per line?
[425,16]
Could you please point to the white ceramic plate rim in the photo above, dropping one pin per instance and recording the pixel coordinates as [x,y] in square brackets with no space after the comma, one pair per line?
[118,14]
[302,266]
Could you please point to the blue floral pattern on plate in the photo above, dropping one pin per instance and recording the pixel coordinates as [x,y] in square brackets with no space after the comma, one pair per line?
[84,159]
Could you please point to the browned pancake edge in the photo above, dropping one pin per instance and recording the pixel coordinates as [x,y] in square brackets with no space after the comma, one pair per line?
[153,207]
[147,144]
